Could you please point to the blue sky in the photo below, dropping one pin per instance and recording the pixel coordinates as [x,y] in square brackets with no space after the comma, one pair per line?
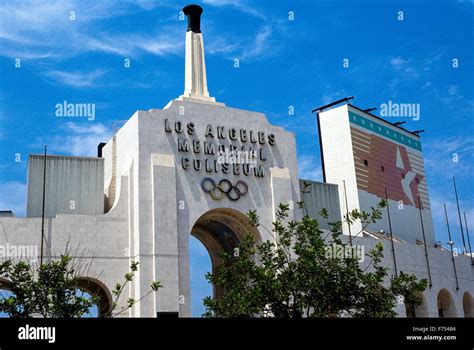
[283,63]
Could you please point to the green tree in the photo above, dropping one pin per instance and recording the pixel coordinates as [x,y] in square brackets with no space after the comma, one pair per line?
[298,275]
[52,290]
[119,287]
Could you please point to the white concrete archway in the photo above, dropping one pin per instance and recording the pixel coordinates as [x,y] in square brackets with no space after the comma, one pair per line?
[446,306]
[468,305]
[95,287]
[221,230]
[417,311]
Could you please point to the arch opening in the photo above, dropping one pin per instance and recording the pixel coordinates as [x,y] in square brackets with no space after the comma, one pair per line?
[468,305]
[446,307]
[221,230]
[94,287]
[89,286]
[200,265]
[5,292]
[416,311]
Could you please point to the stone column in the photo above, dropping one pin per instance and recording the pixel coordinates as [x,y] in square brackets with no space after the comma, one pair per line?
[165,228]
[281,190]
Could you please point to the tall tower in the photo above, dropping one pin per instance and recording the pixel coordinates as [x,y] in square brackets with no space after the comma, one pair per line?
[366,155]
[195,85]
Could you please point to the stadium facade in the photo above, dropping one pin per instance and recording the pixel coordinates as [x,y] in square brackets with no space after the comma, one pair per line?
[196,167]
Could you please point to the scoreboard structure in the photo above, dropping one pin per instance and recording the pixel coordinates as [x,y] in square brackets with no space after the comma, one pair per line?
[371,159]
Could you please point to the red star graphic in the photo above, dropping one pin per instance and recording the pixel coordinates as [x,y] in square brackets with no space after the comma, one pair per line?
[401,183]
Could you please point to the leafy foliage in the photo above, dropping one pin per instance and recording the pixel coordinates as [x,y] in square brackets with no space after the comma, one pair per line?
[294,276]
[52,290]
[119,287]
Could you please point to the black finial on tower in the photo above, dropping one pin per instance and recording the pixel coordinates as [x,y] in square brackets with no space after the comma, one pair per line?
[193,12]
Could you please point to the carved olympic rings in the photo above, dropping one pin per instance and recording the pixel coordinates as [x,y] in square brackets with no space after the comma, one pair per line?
[224,188]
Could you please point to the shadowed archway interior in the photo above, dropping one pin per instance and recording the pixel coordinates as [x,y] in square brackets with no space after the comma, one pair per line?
[446,306]
[219,233]
[88,284]
[221,230]
[97,288]
[468,305]
[415,311]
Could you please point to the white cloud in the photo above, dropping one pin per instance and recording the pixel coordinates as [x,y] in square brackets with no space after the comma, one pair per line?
[260,46]
[431,62]
[149,4]
[95,129]
[450,156]
[453,144]
[169,40]
[239,5]
[222,2]
[453,90]
[42,30]
[81,139]
[308,169]
[256,46]
[408,70]
[13,197]
[332,95]
[75,79]
[405,68]
[221,45]
[161,47]
[36,29]
[450,95]
[398,62]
